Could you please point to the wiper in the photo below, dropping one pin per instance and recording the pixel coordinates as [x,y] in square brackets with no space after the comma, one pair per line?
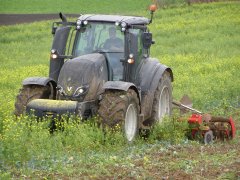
[106,51]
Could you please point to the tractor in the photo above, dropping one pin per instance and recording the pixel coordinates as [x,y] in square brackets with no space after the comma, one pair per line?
[101,65]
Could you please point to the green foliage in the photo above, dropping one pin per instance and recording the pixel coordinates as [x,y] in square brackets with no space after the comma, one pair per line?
[170,3]
[172,129]
[26,143]
[73,6]
[199,42]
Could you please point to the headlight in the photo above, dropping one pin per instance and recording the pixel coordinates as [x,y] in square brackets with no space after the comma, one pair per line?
[117,23]
[81,90]
[79,23]
[123,24]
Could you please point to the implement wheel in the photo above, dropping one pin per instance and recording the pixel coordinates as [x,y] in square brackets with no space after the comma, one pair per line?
[208,137]
[28,93]
[120,109]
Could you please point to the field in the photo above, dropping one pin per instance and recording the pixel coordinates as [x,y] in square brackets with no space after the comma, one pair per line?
[201,43]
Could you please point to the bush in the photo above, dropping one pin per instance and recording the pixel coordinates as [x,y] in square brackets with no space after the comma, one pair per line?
[172,129]
[26,142]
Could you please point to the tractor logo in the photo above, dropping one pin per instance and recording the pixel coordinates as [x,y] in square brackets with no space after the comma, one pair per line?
[69,88]
[69,79]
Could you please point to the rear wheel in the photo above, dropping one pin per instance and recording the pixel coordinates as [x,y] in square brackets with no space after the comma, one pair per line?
[162,103]
[121,109]
[28,93]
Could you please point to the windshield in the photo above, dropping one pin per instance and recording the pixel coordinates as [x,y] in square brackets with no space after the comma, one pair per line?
[98,37]
[104,38]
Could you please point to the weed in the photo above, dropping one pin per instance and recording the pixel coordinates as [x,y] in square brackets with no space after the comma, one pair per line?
[199,42]
[172,129]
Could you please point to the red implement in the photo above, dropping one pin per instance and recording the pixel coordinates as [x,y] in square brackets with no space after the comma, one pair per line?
[208,128]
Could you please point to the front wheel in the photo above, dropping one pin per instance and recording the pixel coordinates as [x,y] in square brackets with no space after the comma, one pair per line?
[28,93]
[120,108]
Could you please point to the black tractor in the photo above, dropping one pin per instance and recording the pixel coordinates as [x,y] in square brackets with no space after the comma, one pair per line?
[101,65]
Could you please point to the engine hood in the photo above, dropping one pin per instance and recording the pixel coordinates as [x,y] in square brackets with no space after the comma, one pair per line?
[87,72]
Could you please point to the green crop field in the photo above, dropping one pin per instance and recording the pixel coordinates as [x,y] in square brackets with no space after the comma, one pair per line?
[73,6]
[201,43]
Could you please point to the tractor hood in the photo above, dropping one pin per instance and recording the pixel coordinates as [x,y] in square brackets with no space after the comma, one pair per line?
[82,77]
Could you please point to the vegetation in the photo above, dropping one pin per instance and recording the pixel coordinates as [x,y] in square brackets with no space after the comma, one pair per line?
[73,6]
[200,42]
[85,6]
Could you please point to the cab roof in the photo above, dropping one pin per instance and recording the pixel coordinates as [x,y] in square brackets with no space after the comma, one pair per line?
[130,20]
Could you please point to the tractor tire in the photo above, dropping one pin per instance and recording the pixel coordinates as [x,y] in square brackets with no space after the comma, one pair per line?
[120,109]
[28,93]
[162,103]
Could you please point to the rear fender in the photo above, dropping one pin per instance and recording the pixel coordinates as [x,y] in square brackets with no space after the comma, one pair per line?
[150,75]
[158,75]
[122,86]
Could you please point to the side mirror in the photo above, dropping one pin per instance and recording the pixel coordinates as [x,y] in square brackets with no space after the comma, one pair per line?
[147,40]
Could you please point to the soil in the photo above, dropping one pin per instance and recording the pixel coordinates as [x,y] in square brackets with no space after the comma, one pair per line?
[12,19]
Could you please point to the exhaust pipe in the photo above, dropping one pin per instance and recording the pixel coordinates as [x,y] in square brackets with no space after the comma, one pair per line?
[63,17]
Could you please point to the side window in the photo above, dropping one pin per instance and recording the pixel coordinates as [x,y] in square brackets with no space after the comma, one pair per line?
[138,32]
[84,41]
[98,36]
[140,46]
[82,44]
[70,41]
[109,38]
[101,35]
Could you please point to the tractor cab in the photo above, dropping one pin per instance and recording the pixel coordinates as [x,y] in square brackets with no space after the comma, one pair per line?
[123,40]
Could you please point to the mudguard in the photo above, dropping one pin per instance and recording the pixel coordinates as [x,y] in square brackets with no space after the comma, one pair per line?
[42,81]
[121,85]
[150,75]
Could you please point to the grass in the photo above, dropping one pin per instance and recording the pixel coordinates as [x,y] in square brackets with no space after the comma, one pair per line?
[199,42]
[82,7]
[202,47]
[73,6]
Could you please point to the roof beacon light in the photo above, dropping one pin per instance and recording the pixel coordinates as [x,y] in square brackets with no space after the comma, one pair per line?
[152,9]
